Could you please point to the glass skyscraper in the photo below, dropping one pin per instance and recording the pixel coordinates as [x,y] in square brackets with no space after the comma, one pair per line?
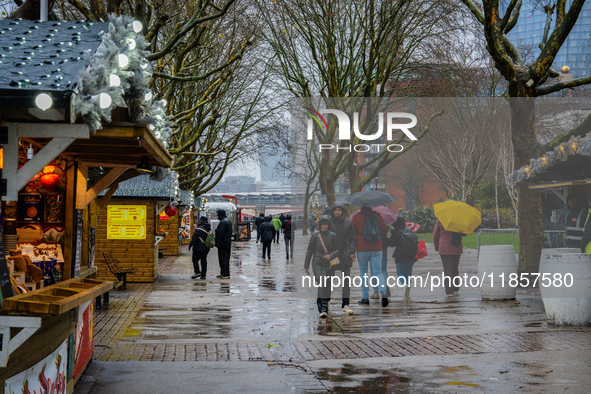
[576,50]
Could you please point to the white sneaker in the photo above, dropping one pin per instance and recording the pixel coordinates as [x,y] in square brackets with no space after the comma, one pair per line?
[375,296]
[451,295]
[323,315]
[347,310]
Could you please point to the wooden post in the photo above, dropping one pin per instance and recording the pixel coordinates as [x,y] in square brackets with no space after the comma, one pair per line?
[69,220]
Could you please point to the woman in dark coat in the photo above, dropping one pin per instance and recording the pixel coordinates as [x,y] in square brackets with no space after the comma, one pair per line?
[320,259]
[200,251]
[403,263]
[266,234]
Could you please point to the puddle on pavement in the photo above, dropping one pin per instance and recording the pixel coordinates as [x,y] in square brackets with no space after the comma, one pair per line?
[351,379]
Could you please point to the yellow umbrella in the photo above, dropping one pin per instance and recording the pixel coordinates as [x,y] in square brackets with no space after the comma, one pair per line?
[457,216]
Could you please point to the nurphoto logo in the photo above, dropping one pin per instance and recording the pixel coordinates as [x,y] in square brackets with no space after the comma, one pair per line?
[344,129]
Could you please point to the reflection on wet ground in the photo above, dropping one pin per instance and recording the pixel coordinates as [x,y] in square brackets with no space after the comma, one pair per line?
[261,302]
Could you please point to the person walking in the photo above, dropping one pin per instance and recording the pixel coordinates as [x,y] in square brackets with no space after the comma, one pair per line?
[369,227]
[404,263]
[342,226]
[323,248]
[575,220]
[586,241]
[277,223]
[288,236]
[266,234]
[282,217]
[200,251]
[450,248]
[258,221]
[223,241]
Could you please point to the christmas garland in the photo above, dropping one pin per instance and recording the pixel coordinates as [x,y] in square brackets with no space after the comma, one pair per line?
[117,76]
[574,146]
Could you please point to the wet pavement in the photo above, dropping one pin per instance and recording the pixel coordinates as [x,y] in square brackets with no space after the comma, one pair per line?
[428,343]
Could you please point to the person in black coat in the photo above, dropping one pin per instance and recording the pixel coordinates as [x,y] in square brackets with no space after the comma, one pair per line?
[288,235]
[341,225]
[223,241]
[259,220]
[404,263]
[200,251]
[266,234]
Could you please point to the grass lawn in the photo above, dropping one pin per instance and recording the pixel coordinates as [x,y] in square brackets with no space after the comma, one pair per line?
[469,241]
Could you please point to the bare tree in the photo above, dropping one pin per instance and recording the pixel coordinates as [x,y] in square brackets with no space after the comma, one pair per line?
[356,48]
[526,81]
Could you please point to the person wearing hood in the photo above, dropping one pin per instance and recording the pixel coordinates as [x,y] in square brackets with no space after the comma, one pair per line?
[288,236]
[342,226]
[266,234]
[404,263]
[323,248]
[258,221]
[277,223]
[223,241]
[200,251]
[575,220]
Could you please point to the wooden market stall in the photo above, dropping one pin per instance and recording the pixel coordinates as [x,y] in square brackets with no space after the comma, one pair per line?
[163,229]
[64,141]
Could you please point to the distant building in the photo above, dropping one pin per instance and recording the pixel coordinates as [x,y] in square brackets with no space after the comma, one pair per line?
[576,50]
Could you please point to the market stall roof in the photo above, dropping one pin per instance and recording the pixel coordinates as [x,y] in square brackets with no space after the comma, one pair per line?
[567,164]
[42,57]
[143,186]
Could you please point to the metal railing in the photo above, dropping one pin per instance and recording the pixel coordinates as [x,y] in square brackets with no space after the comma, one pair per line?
[510,236]
[493,236]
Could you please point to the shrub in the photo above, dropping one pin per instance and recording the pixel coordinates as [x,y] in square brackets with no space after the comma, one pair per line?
[423,216]
[489,218]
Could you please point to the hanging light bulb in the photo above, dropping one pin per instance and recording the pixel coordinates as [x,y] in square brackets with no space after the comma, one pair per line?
[164,102]
[43,101]
[103,100]
[123,60]
[148,96]
[114,80]
[131,43]
[30,152]
[137,26]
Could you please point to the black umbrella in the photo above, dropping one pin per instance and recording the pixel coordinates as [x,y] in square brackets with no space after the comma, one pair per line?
[371,198]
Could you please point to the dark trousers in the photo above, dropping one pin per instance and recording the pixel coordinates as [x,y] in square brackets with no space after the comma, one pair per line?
[322,304]
[200,255]
[450,268]
[288,246]
[346,270]
[277,235]
[267,248]
[224,258]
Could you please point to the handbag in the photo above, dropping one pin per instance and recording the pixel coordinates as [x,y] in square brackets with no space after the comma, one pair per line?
[421,250]
[334,261]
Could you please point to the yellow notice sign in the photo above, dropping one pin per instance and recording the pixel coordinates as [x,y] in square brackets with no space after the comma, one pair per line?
[126,213]
[126,222]
[126,231]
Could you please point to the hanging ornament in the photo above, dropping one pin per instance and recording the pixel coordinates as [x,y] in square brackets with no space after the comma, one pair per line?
[170,210]
[52,180]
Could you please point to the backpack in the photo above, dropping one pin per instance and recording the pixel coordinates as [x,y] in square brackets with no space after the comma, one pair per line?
[408,244]
[209,240]
[371,229]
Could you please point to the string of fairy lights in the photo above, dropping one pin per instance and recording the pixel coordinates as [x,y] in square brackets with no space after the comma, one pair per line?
[574,146]
[117,75]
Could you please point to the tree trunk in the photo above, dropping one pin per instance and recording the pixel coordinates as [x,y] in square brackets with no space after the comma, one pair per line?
[525,145]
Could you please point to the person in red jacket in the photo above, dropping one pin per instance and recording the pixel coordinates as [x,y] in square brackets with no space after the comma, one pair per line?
[450,248]
[369,228]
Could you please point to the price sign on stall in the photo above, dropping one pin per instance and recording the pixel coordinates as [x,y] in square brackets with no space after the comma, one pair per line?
[126,222]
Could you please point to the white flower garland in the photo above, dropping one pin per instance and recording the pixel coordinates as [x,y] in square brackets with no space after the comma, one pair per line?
[575,145]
